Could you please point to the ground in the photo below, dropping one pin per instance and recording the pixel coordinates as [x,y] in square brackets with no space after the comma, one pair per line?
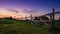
[22,27]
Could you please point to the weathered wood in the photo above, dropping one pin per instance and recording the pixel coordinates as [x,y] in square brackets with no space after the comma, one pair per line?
[31,17]
[57,12]
[53,19]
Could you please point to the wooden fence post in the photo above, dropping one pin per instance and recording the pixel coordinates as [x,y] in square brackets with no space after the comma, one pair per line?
[53,19]
[31,17]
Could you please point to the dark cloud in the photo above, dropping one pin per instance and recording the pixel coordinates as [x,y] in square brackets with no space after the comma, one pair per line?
[12,10]
[23,11]
[30,11]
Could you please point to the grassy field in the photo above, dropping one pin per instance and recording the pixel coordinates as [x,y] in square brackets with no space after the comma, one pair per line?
[21,27]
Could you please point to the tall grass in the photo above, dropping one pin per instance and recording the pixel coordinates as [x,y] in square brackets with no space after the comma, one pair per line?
[21,27]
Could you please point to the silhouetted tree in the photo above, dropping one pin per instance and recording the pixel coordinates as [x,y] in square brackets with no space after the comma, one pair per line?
[9,18]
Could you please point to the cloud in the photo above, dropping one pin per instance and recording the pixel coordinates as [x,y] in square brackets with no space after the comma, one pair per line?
[12,10]
[30,11]
[18,12]
[22,12]
[25,11]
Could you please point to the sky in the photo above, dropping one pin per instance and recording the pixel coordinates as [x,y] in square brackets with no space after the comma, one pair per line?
[22,8]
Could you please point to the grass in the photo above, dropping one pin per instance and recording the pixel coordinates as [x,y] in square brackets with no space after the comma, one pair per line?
[21,27]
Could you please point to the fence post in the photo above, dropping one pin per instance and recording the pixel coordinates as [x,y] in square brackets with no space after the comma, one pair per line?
[31,17]
[53,19]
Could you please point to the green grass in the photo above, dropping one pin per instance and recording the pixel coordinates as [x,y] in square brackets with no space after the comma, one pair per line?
[21,27]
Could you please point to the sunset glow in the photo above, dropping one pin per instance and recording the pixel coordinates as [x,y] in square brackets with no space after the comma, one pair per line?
[6,13]
[23,8]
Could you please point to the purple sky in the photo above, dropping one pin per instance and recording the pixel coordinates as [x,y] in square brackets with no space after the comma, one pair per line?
[37,7]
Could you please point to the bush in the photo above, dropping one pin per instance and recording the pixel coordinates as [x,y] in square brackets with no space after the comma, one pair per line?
[3,21]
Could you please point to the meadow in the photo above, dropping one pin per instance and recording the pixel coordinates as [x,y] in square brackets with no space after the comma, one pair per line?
[22,27]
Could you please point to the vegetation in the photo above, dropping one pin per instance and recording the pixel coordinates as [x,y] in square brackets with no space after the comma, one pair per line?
[22,27]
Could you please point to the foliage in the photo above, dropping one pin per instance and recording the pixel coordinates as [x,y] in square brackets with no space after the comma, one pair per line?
[22,27]
[44,17]
[36,18]
[4,21]
[9,18]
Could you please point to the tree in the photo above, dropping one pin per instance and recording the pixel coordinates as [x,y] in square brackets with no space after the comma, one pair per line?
[9,18]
